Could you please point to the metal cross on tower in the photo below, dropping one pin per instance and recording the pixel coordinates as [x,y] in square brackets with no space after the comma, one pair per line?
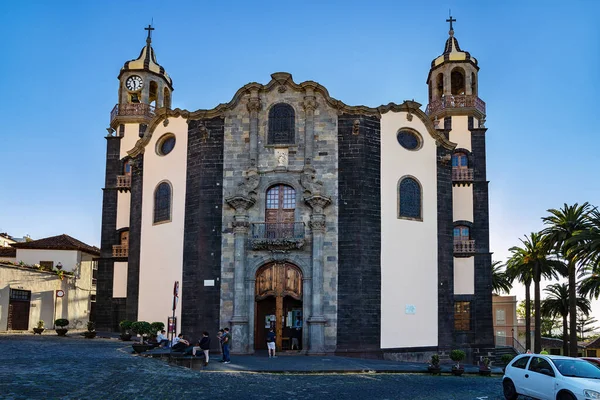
[451,20]
[150,29]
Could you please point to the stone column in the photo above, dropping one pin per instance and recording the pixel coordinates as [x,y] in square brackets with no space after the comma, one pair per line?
[254,106]
[310,104]
[239,321]
[316,321]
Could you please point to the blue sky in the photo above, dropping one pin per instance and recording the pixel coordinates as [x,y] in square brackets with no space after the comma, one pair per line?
[539,77]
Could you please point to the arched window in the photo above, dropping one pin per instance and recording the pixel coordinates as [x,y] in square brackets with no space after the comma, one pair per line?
[457,81]
[439,86]
[281,124]
[473,84]
[162,202]
[460,160]
[153,93]
[409,199]
[167,98]
[461,233]
[279,212]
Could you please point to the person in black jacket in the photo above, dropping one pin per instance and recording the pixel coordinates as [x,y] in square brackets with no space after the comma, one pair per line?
[204,345]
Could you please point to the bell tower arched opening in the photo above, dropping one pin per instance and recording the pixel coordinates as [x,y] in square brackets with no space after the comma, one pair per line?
[439,87]
[457,81]
[278,302]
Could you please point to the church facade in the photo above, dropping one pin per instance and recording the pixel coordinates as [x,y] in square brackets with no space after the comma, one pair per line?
[348,229]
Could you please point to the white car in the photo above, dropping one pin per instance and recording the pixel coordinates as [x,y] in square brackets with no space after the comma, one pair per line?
[551,378]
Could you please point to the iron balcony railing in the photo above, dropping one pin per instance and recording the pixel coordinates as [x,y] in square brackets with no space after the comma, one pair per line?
[464,246]
[277,236]
[123,181]
[132,109]
[462,174]
[120,251]
[456,101]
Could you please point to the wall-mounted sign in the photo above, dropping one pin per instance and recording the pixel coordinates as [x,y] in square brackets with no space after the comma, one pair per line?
[60,293]
[209,282]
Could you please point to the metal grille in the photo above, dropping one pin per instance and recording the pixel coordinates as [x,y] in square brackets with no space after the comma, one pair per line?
[281,124]
[20,295]
[162,203]
[408,140]
[410,198]
[281,196]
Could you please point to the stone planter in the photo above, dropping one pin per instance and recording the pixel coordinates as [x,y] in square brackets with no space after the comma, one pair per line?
[435,369]
[484,371]
[61,331]
[126,337]
[89,334]
[457,371]
[38,331]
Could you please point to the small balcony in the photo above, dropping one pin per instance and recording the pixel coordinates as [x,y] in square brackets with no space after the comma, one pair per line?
[464,248]
[123,182]
[462,175]
[136,110]
[277,236]
[120,250]
[455,102]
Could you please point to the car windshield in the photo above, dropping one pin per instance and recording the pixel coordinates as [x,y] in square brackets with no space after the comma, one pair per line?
[577,368]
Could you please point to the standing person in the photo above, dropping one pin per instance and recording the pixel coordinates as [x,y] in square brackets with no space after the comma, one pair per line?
[204,345]
[226,344]
[297,333]
[271,343]
[220,339]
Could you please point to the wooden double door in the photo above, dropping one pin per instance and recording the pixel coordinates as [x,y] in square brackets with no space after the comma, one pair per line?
[278,295]
[18,309]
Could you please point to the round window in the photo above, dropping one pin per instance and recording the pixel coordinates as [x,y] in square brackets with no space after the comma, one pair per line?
[409,140]
[165,145]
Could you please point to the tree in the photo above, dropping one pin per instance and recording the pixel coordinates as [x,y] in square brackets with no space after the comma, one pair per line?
[585,324]
[549,325]
[586,243]
[522,272]
[532,259]
[590,286]
[501,281]
[557,304]
[563,225]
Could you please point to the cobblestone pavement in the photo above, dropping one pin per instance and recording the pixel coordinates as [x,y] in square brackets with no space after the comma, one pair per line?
[51,367]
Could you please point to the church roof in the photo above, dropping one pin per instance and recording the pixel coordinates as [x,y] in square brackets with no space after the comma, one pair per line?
[453,52]
[147,62]
[60,242]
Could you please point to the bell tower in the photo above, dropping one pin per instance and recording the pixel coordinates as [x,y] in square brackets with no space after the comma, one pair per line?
[144,86]
[456,110]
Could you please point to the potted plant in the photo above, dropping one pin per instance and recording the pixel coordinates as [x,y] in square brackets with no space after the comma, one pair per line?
[40,328]
[60,326]
[142,329]
[458,356]
[434,365]
[155,327]
[91,330]
[484,367]
[125,326]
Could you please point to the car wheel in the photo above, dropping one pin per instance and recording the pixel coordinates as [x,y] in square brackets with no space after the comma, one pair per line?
[565,396]
[510,393]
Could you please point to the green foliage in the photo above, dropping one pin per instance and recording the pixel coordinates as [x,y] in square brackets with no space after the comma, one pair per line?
[501,281]
[125,325]
[157,326]
[61,322]
[435,360]
[485,361]
[506,358]
[457,355]
[40,324]
[91,327]
[141,328]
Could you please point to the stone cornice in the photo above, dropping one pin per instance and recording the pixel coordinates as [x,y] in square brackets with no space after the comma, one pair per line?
[284,80]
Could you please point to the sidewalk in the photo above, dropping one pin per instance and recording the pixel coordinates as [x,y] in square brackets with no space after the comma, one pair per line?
[302,364]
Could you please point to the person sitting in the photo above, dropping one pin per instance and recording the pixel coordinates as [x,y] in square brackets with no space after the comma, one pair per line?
[162,339]
[180,344]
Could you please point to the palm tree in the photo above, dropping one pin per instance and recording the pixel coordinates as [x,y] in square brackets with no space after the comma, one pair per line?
[557,304]
[533,259]
[563,225]
[590,286]
[516,269]
[501,281]
[586,243]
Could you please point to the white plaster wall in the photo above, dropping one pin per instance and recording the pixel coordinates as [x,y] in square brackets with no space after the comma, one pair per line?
[408,248]
[120,279]
[161,258]
[464,275]
[74,306]
[132,135]
[462,203]
[68,258]
[460,133]
[123,208]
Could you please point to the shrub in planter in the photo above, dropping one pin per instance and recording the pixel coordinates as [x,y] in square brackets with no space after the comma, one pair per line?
[60,324]
[458,356]
[125,326]
[484,367]
[155,327]
[141,328]
[40,328]
[434,364]
[91,330]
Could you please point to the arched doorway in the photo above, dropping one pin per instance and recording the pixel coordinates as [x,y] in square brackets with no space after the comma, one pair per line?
[278,299]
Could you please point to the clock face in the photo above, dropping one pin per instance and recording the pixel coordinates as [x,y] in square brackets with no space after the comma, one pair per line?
[134,83]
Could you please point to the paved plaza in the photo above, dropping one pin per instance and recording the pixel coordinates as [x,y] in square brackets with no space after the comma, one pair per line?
[51,367]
